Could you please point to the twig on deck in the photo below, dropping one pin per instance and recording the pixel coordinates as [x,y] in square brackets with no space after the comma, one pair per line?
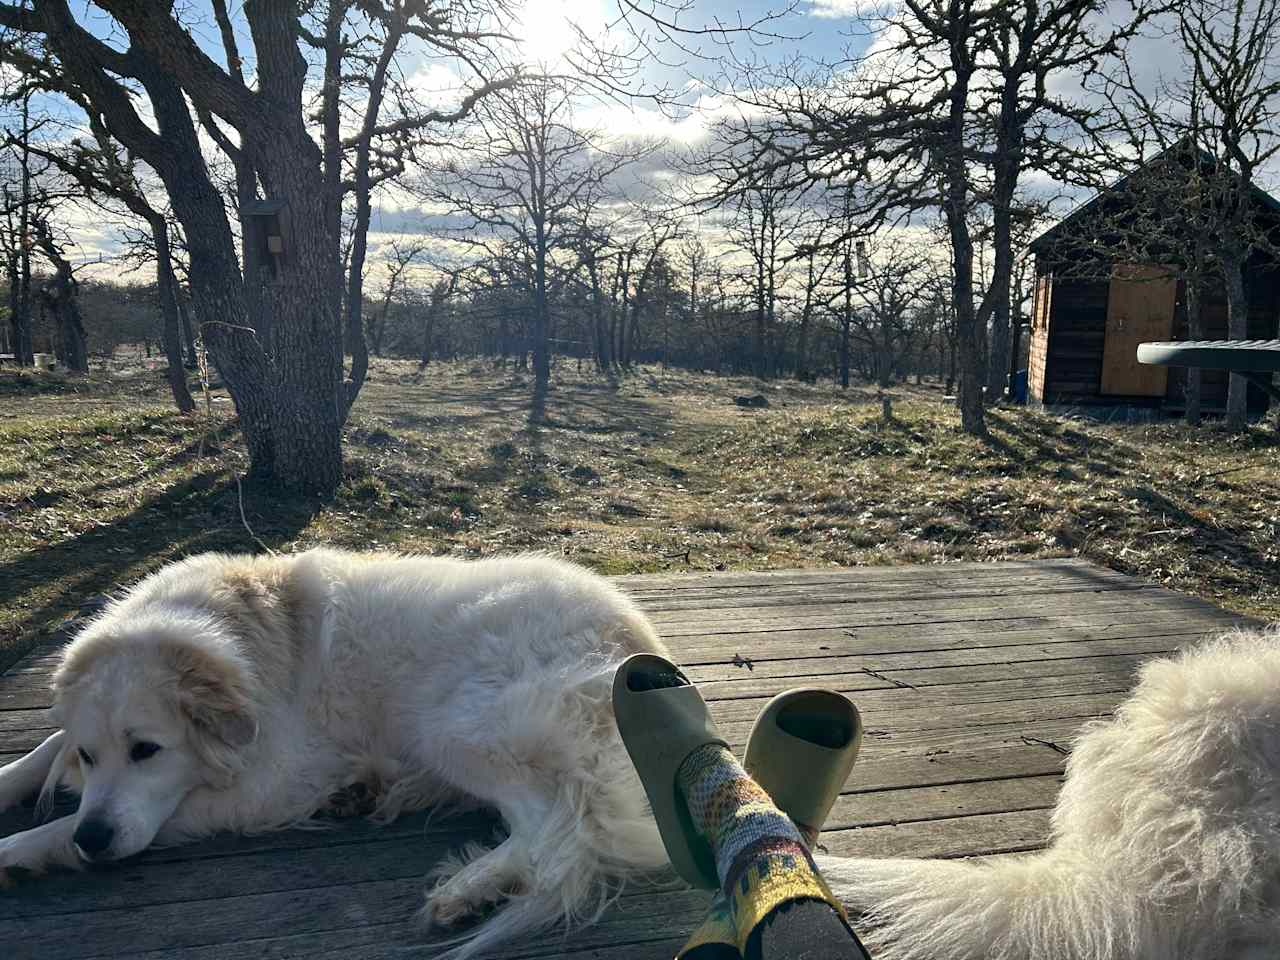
[1032,741]
[901,684]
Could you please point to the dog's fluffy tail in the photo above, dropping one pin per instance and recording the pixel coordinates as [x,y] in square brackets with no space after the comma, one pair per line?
[1048,906]
[1163,836]
[1060,904]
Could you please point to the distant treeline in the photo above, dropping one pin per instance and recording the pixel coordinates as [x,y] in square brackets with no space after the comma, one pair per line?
[713,334]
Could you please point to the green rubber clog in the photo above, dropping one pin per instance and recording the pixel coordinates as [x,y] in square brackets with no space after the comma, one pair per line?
[663,719]
[802,749]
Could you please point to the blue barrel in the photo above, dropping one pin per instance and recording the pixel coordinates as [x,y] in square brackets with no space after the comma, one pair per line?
[1020,387]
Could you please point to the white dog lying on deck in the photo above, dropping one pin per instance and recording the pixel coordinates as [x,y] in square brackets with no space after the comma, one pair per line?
[237,693]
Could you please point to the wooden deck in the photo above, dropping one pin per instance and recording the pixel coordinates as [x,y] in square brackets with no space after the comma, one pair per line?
[972,680]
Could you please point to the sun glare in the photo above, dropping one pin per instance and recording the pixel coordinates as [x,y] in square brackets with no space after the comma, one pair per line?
[545,30]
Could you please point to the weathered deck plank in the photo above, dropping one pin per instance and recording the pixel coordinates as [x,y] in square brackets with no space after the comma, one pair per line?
[973,681]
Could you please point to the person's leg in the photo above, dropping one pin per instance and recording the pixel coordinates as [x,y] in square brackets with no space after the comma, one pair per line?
[804,930]
[763,864]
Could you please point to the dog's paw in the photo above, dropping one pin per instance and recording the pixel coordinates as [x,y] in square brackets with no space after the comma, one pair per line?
[468,896]
[31,854]
[444,910]
[18,861]
[353,800]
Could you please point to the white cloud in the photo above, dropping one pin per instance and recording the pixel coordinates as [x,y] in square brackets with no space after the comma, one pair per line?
[847,9]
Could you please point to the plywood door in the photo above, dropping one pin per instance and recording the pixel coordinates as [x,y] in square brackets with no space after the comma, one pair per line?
[1140,308]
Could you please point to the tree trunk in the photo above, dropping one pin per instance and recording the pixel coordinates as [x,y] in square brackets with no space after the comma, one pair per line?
[1195,331]
[802,344]
[619,319]
[19,317]
[1015,342]
[1237,329]
[757,339]
[968,339]
[884,366]
[846,321]
[184,318]
[597,316]
[167,288]
[428,333]
[998,354]
[59,296]
[541,352]
[24,351]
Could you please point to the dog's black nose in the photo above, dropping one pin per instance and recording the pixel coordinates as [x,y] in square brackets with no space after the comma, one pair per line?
[93,836]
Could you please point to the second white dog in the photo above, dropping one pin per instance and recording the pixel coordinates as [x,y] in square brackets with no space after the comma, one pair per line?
[1166,837]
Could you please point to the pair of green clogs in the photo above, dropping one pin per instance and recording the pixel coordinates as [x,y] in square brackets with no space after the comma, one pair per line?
[801,749]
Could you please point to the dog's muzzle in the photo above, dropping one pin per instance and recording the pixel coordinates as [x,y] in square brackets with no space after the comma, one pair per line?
[93,838]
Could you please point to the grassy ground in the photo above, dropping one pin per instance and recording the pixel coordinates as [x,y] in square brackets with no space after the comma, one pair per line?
[101,482]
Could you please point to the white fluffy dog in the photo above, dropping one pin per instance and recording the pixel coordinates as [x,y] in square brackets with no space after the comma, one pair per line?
[241,694]
[1166,837]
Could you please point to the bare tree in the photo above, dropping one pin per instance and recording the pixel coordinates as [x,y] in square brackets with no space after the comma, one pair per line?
[401,258]
[645,260]
[765,215]
[951,106]
[435,305]
[108,174]
[1231,46]
[819,260]
[523,173]
[593,246]
[889,296]
[59,295]
[286,378]
[21,209]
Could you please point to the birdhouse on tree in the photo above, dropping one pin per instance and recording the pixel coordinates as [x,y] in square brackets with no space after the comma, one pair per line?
[268,236]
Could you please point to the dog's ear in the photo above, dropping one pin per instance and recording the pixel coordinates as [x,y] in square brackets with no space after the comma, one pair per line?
[214,693]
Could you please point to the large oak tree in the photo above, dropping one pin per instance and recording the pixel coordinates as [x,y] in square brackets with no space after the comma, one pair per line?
[321,118]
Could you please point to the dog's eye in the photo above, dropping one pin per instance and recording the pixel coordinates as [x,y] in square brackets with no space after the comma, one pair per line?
[143,749]
[85,758]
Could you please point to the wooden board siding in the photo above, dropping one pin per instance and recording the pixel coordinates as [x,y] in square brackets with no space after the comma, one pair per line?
[1077,323]
[1038,346]
[973,680]
[1140,305]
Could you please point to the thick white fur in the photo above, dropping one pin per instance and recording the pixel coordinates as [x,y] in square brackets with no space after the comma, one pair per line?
[1165,840]
[272,682]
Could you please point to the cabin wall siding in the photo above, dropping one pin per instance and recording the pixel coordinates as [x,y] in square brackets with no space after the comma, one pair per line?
[1073,367]
[1038,341]
[1065,364]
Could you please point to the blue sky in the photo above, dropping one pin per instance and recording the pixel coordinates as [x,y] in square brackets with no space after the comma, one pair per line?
[819,30]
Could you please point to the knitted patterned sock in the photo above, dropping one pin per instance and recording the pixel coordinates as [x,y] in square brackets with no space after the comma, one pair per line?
[716,938]
[761,858]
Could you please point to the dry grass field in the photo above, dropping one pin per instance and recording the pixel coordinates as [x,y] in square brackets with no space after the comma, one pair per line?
[100,481]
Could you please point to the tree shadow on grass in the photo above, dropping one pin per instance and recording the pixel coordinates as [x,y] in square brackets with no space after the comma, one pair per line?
[207,444]
[1069,449]
[198,514]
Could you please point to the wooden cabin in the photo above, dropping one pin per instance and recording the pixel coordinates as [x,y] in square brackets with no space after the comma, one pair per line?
[1105,281]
